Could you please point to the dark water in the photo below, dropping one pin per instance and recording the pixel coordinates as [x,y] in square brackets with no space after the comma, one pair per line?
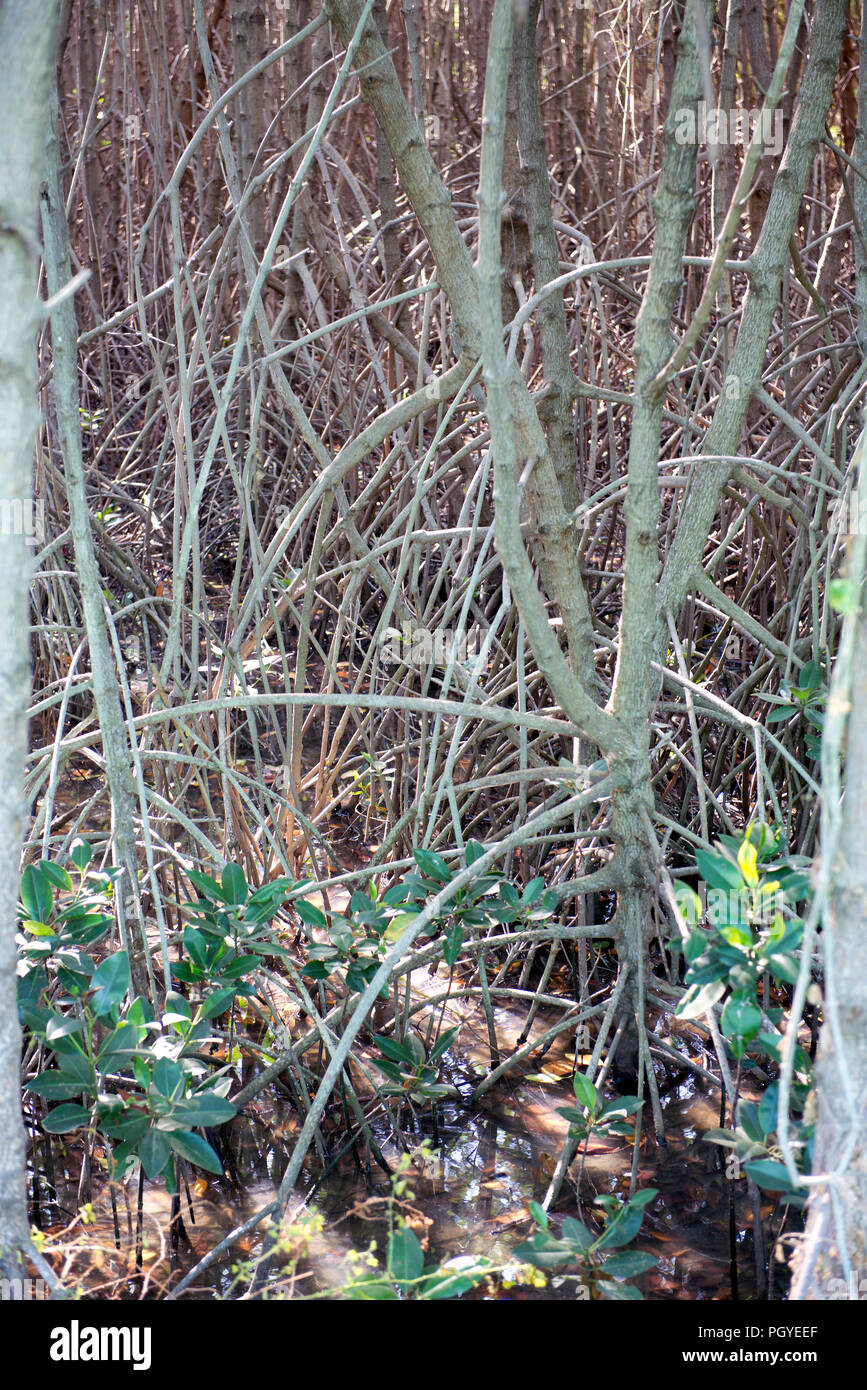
[492,1158]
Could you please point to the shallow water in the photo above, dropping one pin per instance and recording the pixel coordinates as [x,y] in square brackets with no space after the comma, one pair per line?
[498,1155]
[493,1158]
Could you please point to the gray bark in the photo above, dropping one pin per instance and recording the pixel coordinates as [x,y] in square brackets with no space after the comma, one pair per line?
[767,265]
[556,551]
[28,46]
[859,199]
[118,767]
[558,410]
[831,1262]
[632,696]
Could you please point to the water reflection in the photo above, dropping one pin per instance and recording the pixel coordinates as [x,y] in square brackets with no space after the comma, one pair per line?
[493,1159]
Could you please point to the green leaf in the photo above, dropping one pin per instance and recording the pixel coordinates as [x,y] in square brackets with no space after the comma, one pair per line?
[811,676]
[741,1017]
[768,1109]
[197,947]
[405,1256]
[695,944]
[544,1252]
[716,870]
[271,894]
[617,1109]
[168,1077]
[783,968]
[217,1002]
[316,970]
[725,1137]
[779,714]
[234,885]
[320,951]
[533,891]
[771,1176]
[737,936]
[843,596]
[432,1090]
[577,1118]
[55,1085]
[453,941]
[38,928]
[141,1072]
[689,903]
[340,933]
[644,1197]
[443,1043]
[204,1109]
[432,865]
[750,1123]
[110,983]
[128,1127]
[697,1001]
[627,1264]
[509,894]
[539,1215]
[74,1062]
[196,1149]
[36,894]
[206,886]
[118,1047]
[310,914]
[695,947]
[399,924]
[239,967]
[389,1069]
[370,1291]
[64,1118]
[56,875]
[81,854]
[622,1228]
[613,1292]
[455,1277]
[577,1234]
[747,864]
[397,1051]
[358,977]
[585,1092]
[59,1027]
[473,851]
[85,927]
[140,1012]
[154,1150]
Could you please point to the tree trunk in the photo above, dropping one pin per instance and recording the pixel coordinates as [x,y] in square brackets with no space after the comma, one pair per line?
[28,47]
[832,1260]
[115,744]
